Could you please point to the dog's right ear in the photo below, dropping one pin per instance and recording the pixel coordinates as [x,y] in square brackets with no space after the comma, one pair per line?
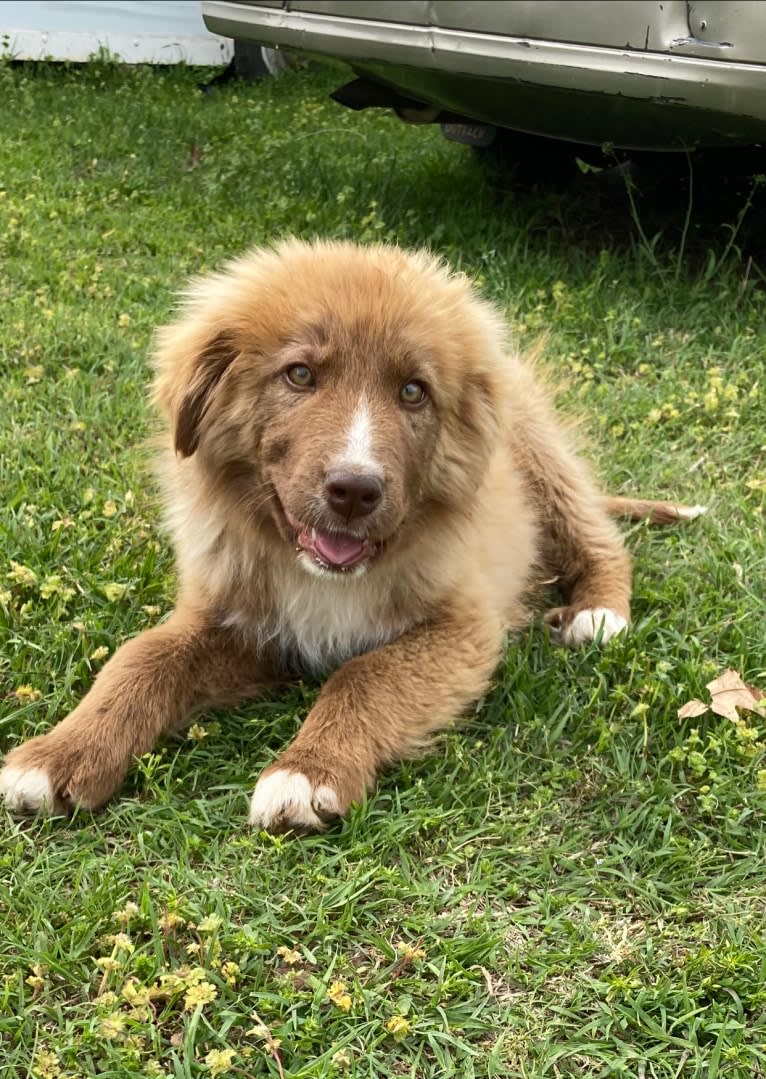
[190,366]
[211,364]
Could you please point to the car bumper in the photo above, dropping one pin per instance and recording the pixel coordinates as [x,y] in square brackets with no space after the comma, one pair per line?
[582,92]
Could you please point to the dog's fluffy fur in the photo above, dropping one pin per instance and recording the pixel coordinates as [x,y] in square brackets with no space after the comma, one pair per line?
[362,478]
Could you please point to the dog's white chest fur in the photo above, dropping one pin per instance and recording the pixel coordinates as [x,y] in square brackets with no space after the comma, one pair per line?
[320,622]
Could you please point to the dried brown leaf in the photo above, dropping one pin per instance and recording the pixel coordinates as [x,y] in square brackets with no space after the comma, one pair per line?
[692,709]
[729,692]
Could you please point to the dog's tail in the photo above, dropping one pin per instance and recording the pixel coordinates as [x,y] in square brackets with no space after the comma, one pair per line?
[659,513]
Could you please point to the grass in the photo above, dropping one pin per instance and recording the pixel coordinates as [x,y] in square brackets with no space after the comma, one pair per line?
[571,886]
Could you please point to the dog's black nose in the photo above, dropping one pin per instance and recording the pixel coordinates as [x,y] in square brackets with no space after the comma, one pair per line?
[351,494]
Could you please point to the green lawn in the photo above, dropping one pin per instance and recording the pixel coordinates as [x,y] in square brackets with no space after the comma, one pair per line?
[575,885]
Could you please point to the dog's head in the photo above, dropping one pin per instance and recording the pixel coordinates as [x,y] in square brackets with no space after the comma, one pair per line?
[343,394]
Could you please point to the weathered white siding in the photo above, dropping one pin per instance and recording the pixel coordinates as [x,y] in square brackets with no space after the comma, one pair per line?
[136,31]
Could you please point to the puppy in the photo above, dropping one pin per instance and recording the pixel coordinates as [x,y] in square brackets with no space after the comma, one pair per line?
[360,478]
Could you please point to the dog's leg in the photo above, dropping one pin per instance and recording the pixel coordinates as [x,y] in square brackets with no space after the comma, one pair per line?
[377,708]
[581,546]
[589,558]
[151,685]
[585,552]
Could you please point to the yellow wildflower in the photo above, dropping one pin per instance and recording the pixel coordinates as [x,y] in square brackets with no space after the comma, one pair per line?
[130,910]
[230,972]
[410,951]
[54,586]
[20,574]
[108,962]
[289,955]
[110,508]
[36,980]
[210,924]
[121,942]
[219,1060]
[114,591]
[198,995]
[135,994]
[46,1065]
[112,1026]
[398,1027]
[342,1059]
[196,733]
[339,996]
[99,653]
[191,975]
[167,986]
[27,693]
[170,920]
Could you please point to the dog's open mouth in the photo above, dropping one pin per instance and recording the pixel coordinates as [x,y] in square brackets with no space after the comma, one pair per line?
[336,551]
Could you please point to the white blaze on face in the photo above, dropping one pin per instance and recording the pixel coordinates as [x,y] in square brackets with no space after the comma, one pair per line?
[358,454]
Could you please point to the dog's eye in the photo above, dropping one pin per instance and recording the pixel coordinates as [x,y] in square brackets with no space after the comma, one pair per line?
[413,394]
[299,375]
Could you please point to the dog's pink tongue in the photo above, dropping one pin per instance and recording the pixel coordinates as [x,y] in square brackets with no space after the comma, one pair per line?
[339,549]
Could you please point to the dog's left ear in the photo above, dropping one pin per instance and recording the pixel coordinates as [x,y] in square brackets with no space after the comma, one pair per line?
[478,411]
[468,440]
[188,372]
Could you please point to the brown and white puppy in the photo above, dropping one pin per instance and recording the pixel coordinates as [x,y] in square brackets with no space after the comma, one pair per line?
[361,478]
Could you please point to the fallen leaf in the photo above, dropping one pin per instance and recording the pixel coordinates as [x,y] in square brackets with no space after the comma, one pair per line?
[729,693]
[692,709]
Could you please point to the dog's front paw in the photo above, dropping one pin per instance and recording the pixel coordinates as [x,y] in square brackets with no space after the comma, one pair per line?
[288,801]
[30,781]
[26,790]
[55,772]
[575,628]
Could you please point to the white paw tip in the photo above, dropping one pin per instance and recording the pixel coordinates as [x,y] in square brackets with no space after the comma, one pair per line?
[25,790]
[285,800]
[688,513]
[587,625]
[325,801]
